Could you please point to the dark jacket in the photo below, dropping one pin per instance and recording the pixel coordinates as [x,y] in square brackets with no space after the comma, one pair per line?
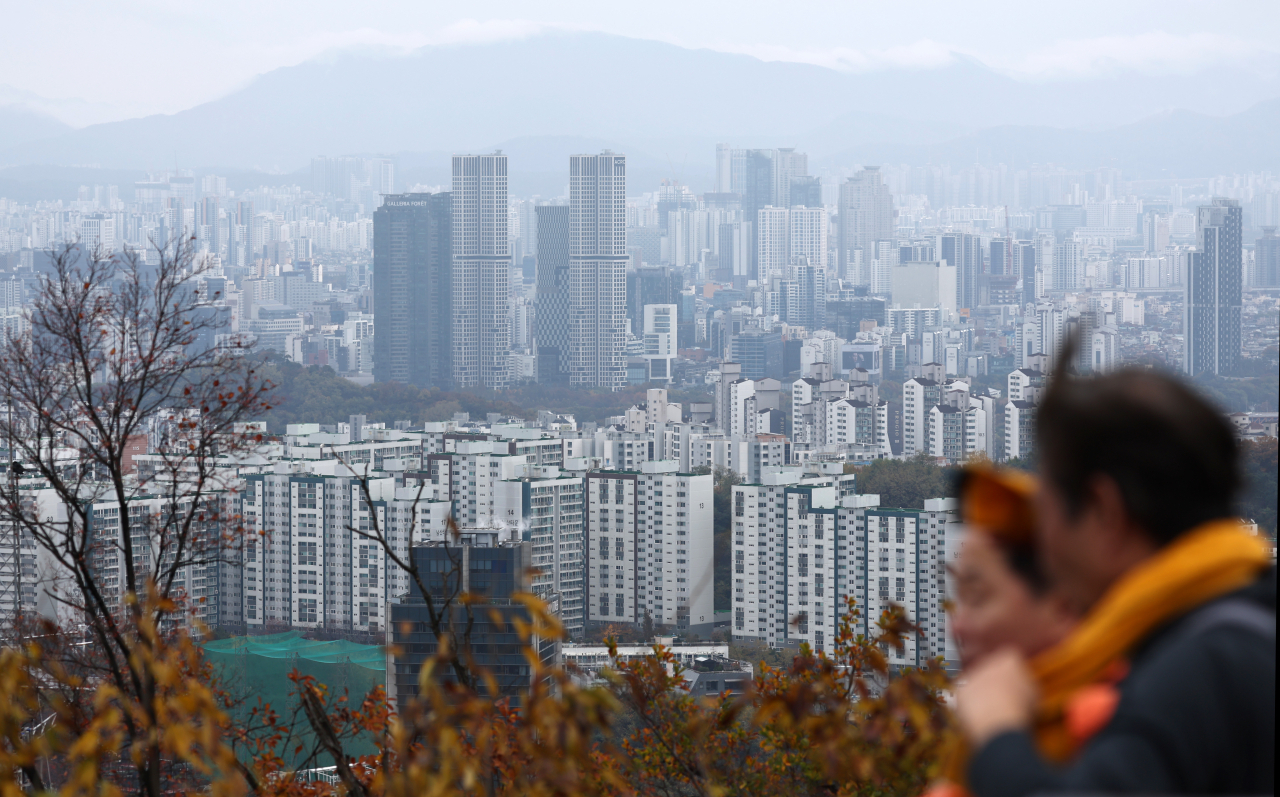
[1197,715]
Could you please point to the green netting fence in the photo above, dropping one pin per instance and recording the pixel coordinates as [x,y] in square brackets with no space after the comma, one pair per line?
[258,667]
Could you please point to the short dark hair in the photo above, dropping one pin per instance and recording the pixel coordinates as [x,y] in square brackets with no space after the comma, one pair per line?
[1173,456]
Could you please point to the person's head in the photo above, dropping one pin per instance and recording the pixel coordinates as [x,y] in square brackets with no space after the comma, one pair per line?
[1129,462]
[1002,600]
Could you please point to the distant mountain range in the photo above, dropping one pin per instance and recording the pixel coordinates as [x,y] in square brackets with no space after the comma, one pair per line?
[543,97]
[21,125]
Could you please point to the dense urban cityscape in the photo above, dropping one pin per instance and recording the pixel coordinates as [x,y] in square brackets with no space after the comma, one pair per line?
[711,414]
[789,311]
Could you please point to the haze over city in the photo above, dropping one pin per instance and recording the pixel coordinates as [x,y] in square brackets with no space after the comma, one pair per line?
[425,352]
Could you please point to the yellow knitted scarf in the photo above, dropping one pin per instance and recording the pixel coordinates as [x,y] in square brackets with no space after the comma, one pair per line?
[1205,563]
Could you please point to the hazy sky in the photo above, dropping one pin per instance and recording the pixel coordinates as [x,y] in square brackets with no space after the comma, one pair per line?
[147,56]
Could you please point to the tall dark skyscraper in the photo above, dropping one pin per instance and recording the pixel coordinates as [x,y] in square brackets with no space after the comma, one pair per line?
[964,251]
[753,181]
[1266,254]
[551,322]
[651,285]
[1214,290]
[412,290]
[806,190]
[999,258]
[1024,268]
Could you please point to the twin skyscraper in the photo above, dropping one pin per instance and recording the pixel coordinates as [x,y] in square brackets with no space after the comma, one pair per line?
[442,277]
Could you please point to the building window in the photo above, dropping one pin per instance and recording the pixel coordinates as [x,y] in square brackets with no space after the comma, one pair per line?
[619,605]
[739,619]
[617,549]
[306,610]
[307,553]
[901,584]
[802,565]
[901,529]
[251,607]
[884,588]
[604,547]
[739,562]
[604,605]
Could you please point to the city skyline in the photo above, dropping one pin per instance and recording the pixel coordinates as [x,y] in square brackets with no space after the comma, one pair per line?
[386,385]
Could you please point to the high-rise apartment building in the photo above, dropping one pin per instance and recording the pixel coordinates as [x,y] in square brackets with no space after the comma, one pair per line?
[597,270]
[552,320]
[866,216]
[1214,290]
[803,544]
[649,547]
[808,235]
[1068,265]
[773,242]
[770,561]
[413,289]
[724,169]
[481,272]
[209,225]
[310,569]
[545,504]
[788,165]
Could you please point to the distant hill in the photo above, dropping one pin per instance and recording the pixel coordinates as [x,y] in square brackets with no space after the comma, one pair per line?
[20,125]
[1170,144]
[668,102]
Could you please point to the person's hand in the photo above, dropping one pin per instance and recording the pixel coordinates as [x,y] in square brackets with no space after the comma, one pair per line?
[998,695]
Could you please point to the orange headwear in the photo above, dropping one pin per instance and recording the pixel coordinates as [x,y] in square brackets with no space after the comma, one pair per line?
[999,502]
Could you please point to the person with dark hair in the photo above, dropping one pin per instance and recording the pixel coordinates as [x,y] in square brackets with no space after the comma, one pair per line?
[1134,531]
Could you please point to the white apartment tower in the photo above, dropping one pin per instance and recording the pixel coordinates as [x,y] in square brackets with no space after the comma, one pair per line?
[481,272]
[808,233]
[545,506]
[597,270]
[801,548]
[649,547]
[773,241]
[310,569]
[765,559]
